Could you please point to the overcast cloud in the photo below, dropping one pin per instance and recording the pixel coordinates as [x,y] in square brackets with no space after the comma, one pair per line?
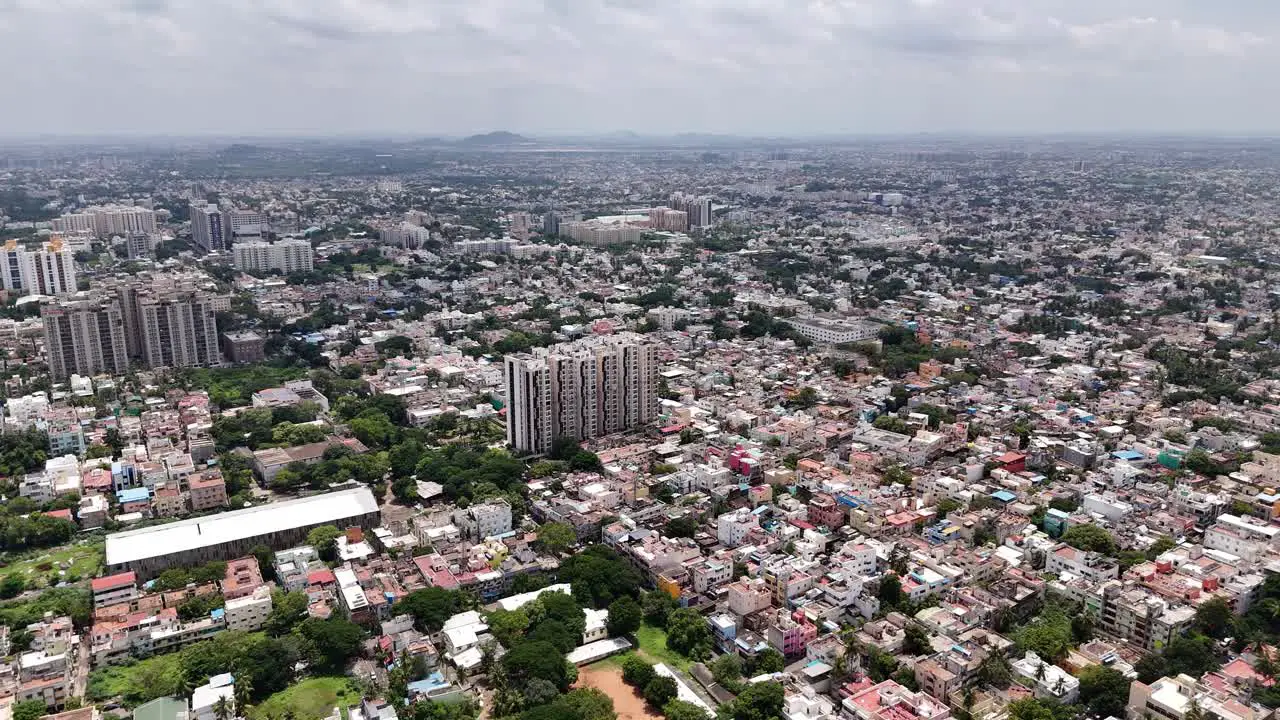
[567,66]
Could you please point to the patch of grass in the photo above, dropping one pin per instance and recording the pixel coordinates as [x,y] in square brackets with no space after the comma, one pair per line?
[653,646]
[137,682]
[79,561]
[311,699]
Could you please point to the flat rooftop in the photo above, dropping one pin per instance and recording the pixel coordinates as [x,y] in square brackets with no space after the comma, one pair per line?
[161,540]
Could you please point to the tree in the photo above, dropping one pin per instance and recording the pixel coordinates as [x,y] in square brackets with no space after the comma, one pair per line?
[759,701]
[29,710]
[587,704]
[535,659]
[915,640]
[1151,667]
[658,606]
[598,576]
[1104,690]
[1048,636]
[1214,617]
[325,540]
[556,537]
[636,671]
[431,607]
[287,610]
[12,586]
[625,616]
[508,626]
[1190,654]
[995,671]
[806,398]
[555,633]
[222,709]
[1090,538]
[329,644]
[682,710]
[727,670]
[660,691]
[890,591]
[769,661]
[561,608]
[685,526]
[688,634]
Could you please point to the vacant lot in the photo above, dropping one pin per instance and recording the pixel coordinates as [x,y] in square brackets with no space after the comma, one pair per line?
[311,699]
[49,567]
[607,678]
[653,647]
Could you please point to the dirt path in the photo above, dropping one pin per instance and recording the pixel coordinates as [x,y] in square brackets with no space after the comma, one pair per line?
[608,679]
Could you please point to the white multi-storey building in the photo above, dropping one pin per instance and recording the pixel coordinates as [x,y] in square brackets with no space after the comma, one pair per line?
[579,390]
[287,256]
[405,235]
[485,520]
[51,270]
[249,612]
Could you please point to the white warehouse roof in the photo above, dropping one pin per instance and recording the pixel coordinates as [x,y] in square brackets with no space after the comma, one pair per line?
[134,545]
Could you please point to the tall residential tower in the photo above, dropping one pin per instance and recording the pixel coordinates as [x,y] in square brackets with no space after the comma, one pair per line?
[585,389]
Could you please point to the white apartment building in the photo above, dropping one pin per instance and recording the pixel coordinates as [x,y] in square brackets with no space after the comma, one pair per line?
[1050,681]
[50,270]
[485,520]
[833,331]
[1242,537]
[287,256]
[249,612]
[1093,566]
[585,389]
[1172,698]
[732,527]
[405,235]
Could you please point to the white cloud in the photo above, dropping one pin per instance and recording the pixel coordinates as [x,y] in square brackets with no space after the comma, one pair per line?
[775,66]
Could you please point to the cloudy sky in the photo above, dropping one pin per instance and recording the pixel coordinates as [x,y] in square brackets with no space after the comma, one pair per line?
[567,66]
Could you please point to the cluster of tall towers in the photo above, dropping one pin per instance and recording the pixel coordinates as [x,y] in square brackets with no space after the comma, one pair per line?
[580,390]
[140,321]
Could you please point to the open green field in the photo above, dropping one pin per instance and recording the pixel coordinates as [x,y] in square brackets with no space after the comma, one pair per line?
[311,699]
[653,646]
[79,561]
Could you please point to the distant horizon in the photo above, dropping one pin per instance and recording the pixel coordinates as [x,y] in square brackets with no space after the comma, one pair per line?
[625,135]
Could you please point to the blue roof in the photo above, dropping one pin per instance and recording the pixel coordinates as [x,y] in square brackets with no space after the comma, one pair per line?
[134,495]
[217,613]
[1127,454]
[1004,496]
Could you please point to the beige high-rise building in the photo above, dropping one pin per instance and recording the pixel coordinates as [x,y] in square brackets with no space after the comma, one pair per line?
[175,327]
[580,390]
[84,335]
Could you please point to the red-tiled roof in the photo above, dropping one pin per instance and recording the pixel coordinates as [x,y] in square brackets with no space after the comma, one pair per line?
[112,582]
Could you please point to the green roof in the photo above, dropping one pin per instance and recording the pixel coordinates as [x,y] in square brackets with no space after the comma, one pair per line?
[165,708]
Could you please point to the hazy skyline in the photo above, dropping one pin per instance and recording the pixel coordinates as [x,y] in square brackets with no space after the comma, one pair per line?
[652,66]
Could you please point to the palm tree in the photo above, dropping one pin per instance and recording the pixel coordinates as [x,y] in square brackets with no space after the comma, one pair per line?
[222,709]
[243,693]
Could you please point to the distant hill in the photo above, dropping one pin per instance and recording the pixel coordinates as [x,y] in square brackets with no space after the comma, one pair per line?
[500,137]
